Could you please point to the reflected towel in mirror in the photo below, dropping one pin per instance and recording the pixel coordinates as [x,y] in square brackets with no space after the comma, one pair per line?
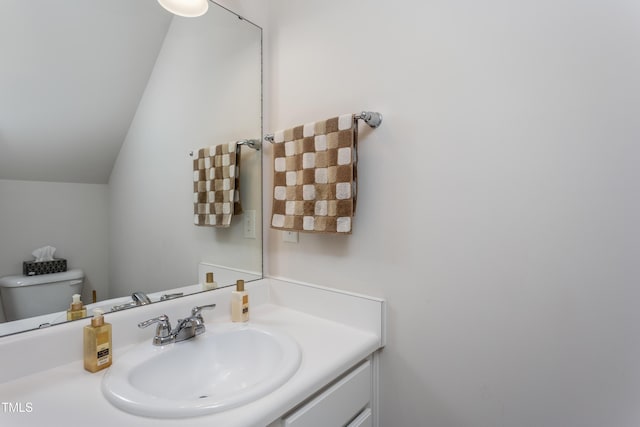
[216,185]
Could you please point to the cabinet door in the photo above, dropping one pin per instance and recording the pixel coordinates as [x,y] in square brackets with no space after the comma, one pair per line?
[337,405]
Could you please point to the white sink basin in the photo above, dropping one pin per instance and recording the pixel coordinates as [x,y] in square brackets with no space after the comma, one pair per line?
[227,366]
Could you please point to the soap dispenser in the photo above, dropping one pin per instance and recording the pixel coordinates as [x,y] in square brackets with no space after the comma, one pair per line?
[97,343]
[239,303]
[209,283]
[77,309]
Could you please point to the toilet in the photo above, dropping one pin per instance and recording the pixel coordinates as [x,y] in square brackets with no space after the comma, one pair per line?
[28,296]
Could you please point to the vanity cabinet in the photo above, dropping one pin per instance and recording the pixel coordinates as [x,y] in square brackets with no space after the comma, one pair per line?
[347,401]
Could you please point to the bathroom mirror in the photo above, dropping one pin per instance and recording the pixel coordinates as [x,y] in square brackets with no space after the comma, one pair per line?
[101,104]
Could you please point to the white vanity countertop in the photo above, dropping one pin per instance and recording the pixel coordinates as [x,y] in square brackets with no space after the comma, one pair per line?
[321,324]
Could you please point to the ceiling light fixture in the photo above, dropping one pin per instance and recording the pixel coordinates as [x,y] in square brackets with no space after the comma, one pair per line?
[186,8]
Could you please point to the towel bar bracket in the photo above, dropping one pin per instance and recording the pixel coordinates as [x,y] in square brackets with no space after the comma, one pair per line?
[372,118]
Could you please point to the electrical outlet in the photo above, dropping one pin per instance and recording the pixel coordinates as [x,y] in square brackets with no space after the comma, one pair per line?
[250,224]
[290,236]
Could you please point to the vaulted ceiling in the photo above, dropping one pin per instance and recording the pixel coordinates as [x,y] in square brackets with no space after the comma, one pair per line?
[71,75]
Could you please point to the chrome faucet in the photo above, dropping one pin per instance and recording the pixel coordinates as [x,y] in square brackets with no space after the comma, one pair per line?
[185,329]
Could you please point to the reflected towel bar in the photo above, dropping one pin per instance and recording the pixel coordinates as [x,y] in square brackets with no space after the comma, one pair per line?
[372,118]
[251,143]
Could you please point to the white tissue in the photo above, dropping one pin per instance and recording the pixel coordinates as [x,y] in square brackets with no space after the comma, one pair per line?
[44,254]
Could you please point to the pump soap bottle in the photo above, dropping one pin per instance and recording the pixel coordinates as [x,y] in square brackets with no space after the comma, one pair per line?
[97,343]
[239,303]
[210,283]
[77,309]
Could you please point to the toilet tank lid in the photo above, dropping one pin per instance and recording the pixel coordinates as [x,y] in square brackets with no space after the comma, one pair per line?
[16,281]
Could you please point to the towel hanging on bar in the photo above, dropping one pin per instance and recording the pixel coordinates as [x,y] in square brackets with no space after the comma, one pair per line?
[315,176]
[216,185]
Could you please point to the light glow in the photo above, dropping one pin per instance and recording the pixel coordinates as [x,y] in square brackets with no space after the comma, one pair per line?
[186,8]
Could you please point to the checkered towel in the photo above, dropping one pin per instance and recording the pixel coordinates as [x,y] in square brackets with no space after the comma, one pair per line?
[216,185]
[315,176]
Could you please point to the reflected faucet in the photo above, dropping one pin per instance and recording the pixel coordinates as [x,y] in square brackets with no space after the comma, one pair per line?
[139,298]
[185,329]
[165,297]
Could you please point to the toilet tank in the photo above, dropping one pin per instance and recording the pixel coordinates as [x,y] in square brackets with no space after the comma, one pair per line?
[28,296]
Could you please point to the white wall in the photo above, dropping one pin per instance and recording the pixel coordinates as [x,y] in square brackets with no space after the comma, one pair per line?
[204,90]
[498,203]
[70,217]
[60,91]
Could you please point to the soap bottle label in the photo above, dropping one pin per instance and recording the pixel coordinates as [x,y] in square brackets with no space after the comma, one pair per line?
[103,354]
[102,349]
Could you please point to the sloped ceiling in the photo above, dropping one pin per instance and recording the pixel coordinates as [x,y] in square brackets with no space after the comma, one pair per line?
[71,75]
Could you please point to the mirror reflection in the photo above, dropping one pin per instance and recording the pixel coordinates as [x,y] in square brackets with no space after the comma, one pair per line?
[101,104]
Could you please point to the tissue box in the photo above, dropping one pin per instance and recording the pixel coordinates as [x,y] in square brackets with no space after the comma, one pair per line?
[33,268]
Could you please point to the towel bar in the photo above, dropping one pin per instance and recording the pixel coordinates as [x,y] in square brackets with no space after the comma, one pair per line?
[372,118]
[251,143]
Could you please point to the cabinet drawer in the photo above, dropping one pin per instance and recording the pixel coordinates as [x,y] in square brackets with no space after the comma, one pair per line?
[337,405]
[365,419]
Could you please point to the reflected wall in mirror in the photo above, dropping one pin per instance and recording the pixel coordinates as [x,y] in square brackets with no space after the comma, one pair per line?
[102,101]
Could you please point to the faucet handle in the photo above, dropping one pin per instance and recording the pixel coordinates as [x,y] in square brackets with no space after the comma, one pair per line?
[195,311]
[164,326]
